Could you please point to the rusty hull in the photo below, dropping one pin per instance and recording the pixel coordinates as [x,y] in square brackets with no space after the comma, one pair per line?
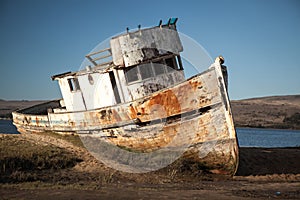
[194,115]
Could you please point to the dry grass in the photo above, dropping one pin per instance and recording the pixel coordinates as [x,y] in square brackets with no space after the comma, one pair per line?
[22,160]
[36,165]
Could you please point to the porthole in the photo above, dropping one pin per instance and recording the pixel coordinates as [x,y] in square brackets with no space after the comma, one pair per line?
[91,80]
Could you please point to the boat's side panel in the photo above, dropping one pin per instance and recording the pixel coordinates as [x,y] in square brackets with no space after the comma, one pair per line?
[33,123]
[201,137]
[35,118]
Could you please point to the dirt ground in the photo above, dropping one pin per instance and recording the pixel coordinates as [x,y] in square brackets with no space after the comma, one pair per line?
[262,174]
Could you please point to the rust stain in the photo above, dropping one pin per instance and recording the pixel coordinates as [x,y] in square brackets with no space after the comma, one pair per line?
[132,112]
[116,116]
[174,101]
[71,123]
[167,100]
[196,84]
[37,121]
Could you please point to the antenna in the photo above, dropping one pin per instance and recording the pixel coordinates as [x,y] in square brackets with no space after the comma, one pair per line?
[160,22]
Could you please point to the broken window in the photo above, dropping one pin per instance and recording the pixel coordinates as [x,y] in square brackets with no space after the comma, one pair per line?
[171,64]
[152,69]
[73,84]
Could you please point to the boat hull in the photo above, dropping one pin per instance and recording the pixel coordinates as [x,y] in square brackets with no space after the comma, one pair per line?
[191,119]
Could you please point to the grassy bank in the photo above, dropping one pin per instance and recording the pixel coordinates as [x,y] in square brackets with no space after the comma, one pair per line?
[49,166]
[22,160]
[62,159]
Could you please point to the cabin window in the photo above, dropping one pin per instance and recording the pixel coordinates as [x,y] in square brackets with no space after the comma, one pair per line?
[146,71]
[158,68]
[73,84]
[131,74]
[171,64]
[152,69]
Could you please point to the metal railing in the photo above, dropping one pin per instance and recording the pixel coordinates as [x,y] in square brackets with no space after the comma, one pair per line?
[100,58]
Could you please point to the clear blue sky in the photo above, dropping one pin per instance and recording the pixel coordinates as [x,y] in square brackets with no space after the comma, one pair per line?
[260,40]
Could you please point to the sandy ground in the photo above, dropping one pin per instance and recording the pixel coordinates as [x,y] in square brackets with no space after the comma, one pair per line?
[262,174]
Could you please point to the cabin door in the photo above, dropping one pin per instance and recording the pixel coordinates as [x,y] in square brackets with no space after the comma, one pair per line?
[114,87]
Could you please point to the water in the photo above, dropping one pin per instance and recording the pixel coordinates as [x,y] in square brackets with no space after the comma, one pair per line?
[255,137]
[6,126]
[247,137]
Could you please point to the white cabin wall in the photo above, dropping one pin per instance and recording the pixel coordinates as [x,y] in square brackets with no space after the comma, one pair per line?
[73,99]
[104,95]
[123,86]
[97,93]
[88,88]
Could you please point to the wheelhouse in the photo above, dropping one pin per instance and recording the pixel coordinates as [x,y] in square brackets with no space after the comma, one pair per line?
[135,65]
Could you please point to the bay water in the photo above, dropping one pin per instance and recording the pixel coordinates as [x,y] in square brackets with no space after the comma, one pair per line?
[6,126]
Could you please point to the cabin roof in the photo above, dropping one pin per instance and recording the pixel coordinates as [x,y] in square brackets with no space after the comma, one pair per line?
[62,75]
[87,70]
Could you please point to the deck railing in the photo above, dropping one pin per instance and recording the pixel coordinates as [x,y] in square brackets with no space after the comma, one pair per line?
[100,58]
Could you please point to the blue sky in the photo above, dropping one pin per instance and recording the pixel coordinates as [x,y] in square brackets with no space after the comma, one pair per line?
[260,40]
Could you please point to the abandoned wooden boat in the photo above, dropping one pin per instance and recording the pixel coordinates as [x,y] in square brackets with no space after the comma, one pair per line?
[139,101]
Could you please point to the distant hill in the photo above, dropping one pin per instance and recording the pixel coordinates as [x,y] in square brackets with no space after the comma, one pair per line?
[7,107]
[268,112]
[265,112]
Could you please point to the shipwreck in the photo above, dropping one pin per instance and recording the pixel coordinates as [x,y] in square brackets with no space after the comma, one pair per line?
[134,95]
